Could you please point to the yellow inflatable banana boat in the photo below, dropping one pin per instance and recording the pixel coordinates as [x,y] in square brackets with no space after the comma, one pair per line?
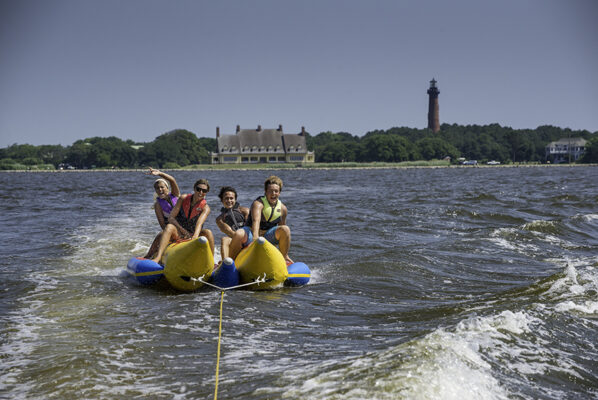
[262,260]
[185,262]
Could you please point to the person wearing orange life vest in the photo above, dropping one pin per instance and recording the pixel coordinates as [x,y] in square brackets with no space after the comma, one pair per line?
[268,218]
[187,218]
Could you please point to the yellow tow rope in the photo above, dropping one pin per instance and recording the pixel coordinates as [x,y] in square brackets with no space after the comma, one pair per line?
[222,290]
[218,351]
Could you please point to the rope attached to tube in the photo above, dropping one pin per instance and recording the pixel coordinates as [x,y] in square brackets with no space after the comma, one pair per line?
[222,290]
[218,351]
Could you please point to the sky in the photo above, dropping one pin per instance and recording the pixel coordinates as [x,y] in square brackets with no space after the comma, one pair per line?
[135,69]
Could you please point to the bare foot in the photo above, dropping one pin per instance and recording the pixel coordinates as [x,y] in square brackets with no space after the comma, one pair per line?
[288,261]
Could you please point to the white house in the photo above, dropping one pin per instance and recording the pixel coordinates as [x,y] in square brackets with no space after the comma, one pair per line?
[565,149]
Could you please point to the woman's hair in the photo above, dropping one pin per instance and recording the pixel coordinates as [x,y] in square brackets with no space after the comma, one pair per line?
[227,189]
[202,182]
[162,180]
[273,180]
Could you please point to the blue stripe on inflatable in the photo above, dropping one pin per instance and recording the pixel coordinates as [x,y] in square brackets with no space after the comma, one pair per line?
[145,271]
[299,274]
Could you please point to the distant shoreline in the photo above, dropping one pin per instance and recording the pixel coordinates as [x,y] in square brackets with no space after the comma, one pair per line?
[230,167]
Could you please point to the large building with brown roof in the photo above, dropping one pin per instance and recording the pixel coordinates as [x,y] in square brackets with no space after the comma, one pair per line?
[259,145]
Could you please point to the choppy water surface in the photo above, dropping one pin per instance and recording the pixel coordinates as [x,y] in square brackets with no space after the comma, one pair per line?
[466,283]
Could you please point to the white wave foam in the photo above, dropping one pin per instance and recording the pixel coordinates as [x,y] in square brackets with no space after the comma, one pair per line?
[574,282]
[539,224]
[590,217]
[587,307]
[441,365]
[24,324]
[108,243]
[466,362]
[501,237]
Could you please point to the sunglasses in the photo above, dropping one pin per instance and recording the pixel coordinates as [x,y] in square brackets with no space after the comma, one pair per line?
[198,189]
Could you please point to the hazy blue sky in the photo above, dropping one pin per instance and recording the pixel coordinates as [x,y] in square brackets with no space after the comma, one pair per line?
[136,69]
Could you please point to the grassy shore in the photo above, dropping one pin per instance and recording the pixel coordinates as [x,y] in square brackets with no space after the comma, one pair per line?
[344,165]
[434,163]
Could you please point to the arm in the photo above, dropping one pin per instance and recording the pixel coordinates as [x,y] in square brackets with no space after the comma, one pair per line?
[224,228]
[160,215]
[256,216]
[202,218]
[172,219]
[174,187]
[244,211]
[283,216]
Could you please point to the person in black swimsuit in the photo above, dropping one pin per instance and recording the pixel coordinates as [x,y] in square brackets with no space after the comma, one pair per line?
[232,218]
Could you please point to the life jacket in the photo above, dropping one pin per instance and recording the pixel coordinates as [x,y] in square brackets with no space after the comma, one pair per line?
[167,204]
[188,215]
[233,217]
[271,216]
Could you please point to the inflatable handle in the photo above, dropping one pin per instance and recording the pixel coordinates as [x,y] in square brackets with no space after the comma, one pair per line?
[261,240]
[227,261]
[226,275]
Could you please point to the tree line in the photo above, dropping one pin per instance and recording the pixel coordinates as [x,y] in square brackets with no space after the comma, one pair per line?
[180,148]
[472,142]
[173,149]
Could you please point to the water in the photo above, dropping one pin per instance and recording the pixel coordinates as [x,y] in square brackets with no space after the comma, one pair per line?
[456,283]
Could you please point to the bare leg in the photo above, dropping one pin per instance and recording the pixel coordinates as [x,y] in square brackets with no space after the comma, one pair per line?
[224,246]
[283,235]
[154,247]
[169,231]
[208,234]
[239,237]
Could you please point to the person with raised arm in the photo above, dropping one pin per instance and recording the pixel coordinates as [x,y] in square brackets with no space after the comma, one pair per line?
[167,193]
